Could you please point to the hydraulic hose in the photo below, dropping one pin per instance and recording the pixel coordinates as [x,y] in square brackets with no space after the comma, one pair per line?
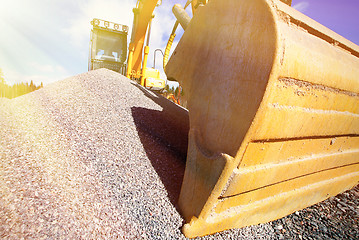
[171,39]
[169,45]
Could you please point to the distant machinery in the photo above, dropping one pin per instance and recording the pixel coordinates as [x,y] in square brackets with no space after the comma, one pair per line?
[108,46]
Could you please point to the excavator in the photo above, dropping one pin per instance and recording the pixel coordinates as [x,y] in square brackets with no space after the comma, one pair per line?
[273,101]
[108,49]
[108,46]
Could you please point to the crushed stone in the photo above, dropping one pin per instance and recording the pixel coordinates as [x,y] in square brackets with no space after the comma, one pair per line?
[96,156]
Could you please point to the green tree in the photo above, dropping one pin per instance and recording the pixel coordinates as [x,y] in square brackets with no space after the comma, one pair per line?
[2,84]
[17,89]
[32,86]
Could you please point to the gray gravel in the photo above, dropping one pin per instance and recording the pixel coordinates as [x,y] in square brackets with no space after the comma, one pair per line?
[96,156]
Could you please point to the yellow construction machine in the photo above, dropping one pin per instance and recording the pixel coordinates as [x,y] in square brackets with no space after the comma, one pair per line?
[108,46]
[108,49]
[136,66]
[273,100]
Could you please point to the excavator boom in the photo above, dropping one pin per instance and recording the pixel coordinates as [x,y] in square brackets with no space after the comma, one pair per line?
[143,15]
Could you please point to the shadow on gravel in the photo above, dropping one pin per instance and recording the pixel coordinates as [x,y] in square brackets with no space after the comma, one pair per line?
[164,136]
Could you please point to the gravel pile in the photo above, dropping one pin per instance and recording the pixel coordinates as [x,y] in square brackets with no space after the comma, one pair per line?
[96,156]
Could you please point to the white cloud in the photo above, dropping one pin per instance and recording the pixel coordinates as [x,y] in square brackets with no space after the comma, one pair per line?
[48,68]
[301,6]
[33,48]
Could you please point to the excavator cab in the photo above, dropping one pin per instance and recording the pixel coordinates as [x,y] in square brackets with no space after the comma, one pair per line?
[108,46]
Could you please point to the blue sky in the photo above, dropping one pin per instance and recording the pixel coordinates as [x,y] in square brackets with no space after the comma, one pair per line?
[341,16]
[48,40]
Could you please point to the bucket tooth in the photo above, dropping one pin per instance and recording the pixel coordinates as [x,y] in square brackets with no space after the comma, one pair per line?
[273,100]
[203,174]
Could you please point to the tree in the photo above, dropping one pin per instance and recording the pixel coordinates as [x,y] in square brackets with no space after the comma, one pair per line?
[2,84]
[32,86]
[17,89]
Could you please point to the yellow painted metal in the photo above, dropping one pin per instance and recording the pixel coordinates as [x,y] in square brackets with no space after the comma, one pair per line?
[182,16]
[155,83]
[273,100]
[196,3]
[129,62]
[144,67]
[152,79]
[167,50]
[143,15]
[152,73]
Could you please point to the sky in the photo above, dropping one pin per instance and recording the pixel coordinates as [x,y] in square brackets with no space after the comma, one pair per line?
[48,40]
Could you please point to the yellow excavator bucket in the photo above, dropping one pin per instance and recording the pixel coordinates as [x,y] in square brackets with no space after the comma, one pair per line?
[273,100]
